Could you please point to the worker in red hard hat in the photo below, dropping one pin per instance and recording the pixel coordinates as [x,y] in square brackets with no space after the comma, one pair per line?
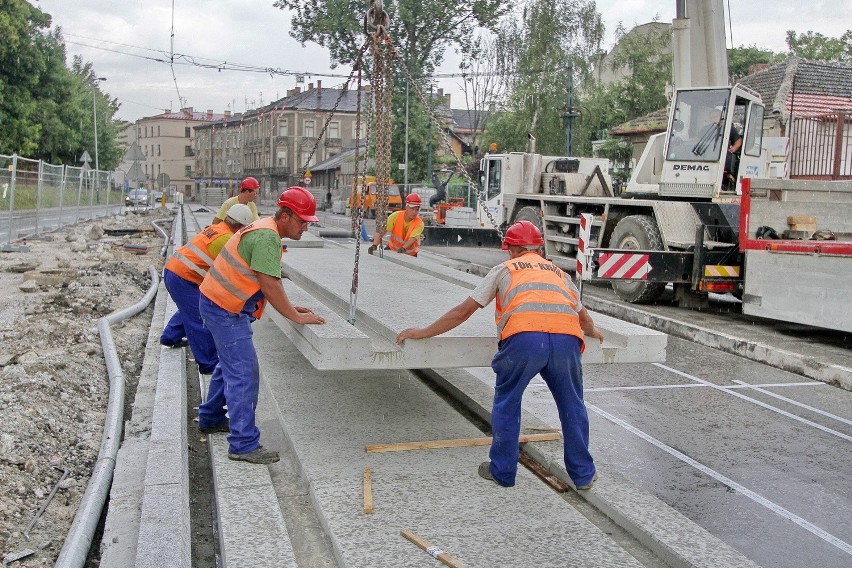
[245,276]
[249,190]
[405,228]
[542,326]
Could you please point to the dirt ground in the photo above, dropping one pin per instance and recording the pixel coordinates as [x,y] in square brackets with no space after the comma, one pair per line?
[53,380]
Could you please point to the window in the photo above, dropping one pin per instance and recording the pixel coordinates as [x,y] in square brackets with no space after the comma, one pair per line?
[187,171]
[754,133]
[187,150]
[158,149]
[187,132]
[333,130]
[158,130]
[308,129]
[282,127]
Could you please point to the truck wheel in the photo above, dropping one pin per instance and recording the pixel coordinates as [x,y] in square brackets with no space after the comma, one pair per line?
[530,214]
[637,232]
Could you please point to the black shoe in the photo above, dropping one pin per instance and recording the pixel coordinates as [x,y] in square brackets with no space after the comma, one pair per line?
[182,343]
[258,456]
[223,427]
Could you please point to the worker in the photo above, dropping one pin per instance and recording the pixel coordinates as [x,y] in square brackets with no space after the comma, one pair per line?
[405,227]
[182,276]
[542,325]
[249,189]
[241,280]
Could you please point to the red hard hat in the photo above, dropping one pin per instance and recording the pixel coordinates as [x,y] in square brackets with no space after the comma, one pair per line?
[249,183]
[413,199]
[301,202]
[522,233]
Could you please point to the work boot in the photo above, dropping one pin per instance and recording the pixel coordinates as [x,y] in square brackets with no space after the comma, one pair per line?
[223,427]
[588,485]
[260,455]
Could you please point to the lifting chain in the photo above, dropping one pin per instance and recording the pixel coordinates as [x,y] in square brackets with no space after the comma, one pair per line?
[357,209]
[481,191]
[377,20]
[383,115]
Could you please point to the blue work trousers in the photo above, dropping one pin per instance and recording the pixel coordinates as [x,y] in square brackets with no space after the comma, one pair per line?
[174,331]
[236,379]
[557,358]
[185,294]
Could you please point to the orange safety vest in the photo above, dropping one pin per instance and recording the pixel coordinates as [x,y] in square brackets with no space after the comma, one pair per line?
[397,238]
[537,299]
[230,282]
[192,260]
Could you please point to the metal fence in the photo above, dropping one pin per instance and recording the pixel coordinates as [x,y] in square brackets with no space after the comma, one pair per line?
[38,197]
[821,147]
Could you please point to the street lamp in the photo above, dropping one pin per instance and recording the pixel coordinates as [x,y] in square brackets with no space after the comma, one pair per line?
[95,117]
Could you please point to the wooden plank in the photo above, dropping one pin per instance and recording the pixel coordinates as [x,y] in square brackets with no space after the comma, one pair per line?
[554,482]
[464,443]
[424,544]
[368,491]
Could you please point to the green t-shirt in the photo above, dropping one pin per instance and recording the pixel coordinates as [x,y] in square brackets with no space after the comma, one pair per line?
[261,249]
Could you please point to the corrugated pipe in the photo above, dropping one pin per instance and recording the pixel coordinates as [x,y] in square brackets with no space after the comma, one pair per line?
[79,539]
[163,232]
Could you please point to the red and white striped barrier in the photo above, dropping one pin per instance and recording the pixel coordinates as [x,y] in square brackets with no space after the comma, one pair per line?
[624,265]
[585,236]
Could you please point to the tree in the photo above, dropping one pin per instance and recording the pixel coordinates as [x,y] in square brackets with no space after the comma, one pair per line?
[22,64]
[45,108]
[421,31]
[742,59]
[535,53]
[812,45]
[645,62]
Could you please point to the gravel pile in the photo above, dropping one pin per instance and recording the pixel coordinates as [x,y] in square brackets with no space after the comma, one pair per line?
[53,380]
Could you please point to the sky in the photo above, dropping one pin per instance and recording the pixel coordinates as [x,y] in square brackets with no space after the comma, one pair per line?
[129,42]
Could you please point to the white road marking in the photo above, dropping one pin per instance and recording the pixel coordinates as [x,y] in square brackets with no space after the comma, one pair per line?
[791,401]
[758,403]
[663,387]
[774,507]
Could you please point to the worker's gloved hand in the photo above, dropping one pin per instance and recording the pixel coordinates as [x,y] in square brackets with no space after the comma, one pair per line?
[372,249]
[402,250]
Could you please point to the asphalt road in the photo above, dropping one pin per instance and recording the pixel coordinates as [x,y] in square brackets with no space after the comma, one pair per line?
[757,455]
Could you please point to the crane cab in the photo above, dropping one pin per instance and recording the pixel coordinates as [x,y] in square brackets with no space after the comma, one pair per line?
[691,160]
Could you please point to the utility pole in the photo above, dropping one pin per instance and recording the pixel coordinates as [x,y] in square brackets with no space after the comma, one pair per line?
[570,112]
[95,117]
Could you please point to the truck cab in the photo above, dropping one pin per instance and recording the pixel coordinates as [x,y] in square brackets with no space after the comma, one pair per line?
[692,159]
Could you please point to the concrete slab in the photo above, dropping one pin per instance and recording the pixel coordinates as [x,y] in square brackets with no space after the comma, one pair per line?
[251,525]
[308,240]
[425,290]
[434,493]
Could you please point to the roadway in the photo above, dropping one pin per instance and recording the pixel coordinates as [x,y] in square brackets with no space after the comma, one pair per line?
[752,453]
[757,455]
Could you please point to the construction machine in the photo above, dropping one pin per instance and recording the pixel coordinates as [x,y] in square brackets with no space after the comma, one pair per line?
[365,194]
[681,220]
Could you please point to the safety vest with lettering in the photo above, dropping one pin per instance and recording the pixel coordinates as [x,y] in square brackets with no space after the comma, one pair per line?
[399,235]
[230,282]
[537,299]
[192,260]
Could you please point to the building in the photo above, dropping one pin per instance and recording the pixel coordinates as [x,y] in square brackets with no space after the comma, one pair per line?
[218,148]
[807,118]
[166,141]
